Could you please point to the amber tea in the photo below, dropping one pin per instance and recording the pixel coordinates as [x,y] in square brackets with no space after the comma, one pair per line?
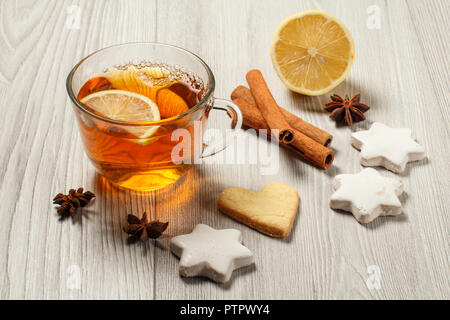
[138,156]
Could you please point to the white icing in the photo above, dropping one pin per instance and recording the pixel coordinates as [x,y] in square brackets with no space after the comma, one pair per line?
[211,253]
[391,148]
[367,195]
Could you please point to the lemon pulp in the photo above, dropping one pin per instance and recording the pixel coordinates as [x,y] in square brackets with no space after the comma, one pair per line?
[312,52]
[125,106]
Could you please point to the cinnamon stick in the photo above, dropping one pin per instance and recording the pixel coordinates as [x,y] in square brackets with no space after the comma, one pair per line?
[311,150]
[244,93]
[251,114]
[268,107]
[254,119]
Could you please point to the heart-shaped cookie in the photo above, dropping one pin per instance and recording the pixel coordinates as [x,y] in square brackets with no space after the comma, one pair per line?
[271,211]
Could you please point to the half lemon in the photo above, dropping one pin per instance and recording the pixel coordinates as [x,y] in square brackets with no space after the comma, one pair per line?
[125,106]
[312,52]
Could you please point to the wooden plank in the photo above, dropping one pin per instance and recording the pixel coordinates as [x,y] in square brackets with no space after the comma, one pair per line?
[41,256]
[399,70]
[435,50]
[328,254]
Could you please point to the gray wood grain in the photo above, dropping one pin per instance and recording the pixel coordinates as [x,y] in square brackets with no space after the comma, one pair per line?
[401,71]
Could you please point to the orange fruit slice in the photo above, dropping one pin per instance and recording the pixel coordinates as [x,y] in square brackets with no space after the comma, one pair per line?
[170,104]
[312,52]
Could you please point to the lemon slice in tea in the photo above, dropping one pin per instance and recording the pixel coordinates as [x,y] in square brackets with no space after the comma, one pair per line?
[146,81]
[126,106]
[312,52]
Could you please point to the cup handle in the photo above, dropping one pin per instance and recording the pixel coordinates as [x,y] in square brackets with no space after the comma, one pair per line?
[213,147]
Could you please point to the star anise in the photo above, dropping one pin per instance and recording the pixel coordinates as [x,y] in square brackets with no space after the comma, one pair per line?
[346,111]
[141,229]
[71,202]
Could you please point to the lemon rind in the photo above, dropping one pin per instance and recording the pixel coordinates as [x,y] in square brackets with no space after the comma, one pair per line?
[133,130]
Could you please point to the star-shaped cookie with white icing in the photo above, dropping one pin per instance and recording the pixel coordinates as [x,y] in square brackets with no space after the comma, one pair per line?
[389,147]
[211,253]
[367,195]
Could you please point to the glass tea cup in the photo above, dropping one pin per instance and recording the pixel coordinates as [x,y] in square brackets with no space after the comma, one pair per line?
[146,155]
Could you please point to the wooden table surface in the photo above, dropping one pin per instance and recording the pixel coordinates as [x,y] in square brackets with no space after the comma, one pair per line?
[401,70]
